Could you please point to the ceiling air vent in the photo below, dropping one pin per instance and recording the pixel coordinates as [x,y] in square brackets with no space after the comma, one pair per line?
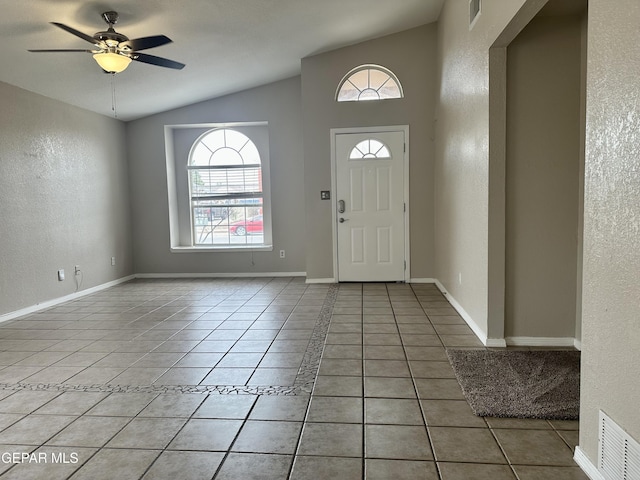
[618,452]
[474,12]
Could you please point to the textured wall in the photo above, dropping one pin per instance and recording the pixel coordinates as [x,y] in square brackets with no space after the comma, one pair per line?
[462,151]
[65,198]
[278,104]
[542,178]
[411,56]
[611,286]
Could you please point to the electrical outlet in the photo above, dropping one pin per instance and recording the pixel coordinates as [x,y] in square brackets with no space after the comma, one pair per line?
[113,261]
[282,254]
[60,275]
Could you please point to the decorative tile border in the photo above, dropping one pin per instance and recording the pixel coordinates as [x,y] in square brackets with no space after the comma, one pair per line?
[204,389]
[311,362]
[302,385]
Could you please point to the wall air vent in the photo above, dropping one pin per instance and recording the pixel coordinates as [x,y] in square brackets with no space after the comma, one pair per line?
[618,452]
[474,12]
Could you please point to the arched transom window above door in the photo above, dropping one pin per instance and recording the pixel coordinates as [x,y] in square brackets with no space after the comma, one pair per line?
[369,82]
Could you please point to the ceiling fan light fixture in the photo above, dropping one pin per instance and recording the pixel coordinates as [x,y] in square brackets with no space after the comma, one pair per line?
[112,62]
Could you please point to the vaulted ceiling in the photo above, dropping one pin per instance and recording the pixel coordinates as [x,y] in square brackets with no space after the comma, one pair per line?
[227,45]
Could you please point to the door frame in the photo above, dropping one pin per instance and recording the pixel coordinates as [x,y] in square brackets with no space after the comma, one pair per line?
[333,132]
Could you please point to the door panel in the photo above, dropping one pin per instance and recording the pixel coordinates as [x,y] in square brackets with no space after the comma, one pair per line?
[383,191]
[357,189]
[357,245]
[371,230]
[384,245]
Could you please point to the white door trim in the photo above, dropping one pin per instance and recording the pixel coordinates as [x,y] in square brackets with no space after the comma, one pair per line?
[333,132]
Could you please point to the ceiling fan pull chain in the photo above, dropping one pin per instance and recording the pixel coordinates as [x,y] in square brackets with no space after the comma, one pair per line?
[113,95]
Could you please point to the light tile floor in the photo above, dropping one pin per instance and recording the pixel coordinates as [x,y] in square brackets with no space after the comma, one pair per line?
[255,378]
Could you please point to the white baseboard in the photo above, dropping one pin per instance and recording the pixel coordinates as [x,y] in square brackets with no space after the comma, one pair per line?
[488,342]
[333,280]
[495,343]
[585,464]
[578,344]
[541,341]
[321,280]
[56,301]
[221,275]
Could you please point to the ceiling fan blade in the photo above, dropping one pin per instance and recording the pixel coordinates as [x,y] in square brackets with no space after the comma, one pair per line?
[77,33]
[146,42]
[159,61]
[62,50]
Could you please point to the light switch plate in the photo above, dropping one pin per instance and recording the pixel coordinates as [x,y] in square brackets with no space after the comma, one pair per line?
[325,195]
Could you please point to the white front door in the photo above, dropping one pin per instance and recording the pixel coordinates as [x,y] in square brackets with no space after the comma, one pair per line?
[370,206]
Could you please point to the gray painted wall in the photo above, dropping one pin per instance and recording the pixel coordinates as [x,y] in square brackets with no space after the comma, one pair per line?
[542,178]
[462,158]
[65,199]
[411,55]
[611,290]
[583,120]
[278,104]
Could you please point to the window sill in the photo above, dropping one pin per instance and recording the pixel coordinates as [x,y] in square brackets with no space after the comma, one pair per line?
[223,249]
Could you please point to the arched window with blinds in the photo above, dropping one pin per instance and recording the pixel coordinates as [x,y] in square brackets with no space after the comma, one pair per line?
[225,183]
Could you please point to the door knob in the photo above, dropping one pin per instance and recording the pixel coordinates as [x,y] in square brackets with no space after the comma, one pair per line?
[342,220]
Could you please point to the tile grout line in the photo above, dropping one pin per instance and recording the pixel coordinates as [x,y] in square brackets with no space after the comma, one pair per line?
[236,341]
[43,444]
[424,415]
[172,438]
[413,382]
[99,449]
[271,343]
[228,451]
[363,387]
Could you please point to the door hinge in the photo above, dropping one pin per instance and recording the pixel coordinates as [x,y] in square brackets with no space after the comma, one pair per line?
[404,207]
[405,264]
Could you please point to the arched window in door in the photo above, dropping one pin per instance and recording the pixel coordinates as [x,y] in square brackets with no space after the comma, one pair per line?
[370,148]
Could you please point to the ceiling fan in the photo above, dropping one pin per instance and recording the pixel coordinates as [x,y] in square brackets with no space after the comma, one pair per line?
[114,51]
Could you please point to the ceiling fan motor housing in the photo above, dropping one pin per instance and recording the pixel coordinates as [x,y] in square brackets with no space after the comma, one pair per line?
[111,37]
